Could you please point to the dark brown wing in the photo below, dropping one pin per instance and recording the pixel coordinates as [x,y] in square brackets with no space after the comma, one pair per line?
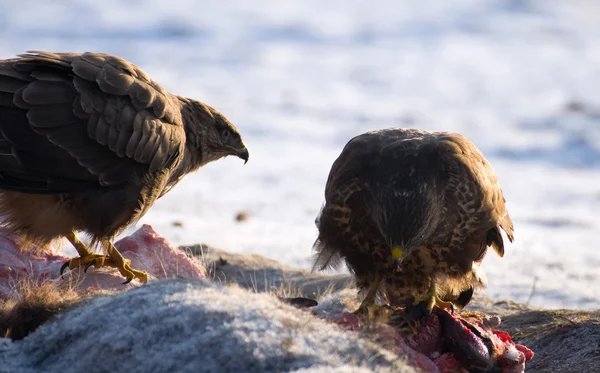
[345,186]
[335,226]
[70,120]
[476,193]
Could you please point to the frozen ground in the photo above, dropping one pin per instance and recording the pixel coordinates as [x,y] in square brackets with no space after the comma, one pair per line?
[301,78]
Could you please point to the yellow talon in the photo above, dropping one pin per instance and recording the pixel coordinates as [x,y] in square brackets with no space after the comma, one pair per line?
[86,261]
[442,303]
[113,259]
[431,299]
[123,265]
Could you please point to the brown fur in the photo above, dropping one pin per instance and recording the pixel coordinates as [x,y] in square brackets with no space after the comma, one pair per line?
[35,305]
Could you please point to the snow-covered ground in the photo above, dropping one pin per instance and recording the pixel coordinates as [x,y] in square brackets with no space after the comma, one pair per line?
[300,78]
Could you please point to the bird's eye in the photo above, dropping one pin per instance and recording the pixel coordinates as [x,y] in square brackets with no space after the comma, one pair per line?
[226,134]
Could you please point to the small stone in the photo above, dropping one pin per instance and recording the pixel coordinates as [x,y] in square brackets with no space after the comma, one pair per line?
[575,106]
[241,216]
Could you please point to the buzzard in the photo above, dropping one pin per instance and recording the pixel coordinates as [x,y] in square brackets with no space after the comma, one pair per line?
[88,142]
[412,214]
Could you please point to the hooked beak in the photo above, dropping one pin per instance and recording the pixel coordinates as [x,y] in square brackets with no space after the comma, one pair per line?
[243,154]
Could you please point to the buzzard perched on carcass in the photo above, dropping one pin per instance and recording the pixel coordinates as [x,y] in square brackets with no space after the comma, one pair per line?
[412,214]
[88,142]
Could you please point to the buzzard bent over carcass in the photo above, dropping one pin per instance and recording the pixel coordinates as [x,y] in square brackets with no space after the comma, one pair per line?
[88,142]
[412,214]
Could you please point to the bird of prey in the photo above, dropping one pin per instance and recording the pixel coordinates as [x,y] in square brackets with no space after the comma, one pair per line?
[88,142]
[412,214]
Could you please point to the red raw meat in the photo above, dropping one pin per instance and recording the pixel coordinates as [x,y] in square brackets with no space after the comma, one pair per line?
[452,343]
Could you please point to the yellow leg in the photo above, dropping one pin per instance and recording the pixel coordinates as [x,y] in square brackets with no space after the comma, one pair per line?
[431,299]
[79,246]
[113,259]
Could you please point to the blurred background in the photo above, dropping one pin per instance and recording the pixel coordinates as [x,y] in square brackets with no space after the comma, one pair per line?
[520,78]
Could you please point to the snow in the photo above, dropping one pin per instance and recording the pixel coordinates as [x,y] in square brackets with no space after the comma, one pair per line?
[300,78]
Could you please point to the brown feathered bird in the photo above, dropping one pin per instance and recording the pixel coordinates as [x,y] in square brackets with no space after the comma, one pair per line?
[412,214]
[88,142]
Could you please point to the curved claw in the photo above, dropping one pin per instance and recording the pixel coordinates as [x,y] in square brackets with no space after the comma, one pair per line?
[129,279]
[93,262]
[64,266]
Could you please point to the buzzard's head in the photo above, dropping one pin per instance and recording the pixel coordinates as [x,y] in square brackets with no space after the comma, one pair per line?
[210,134]
[224,139]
